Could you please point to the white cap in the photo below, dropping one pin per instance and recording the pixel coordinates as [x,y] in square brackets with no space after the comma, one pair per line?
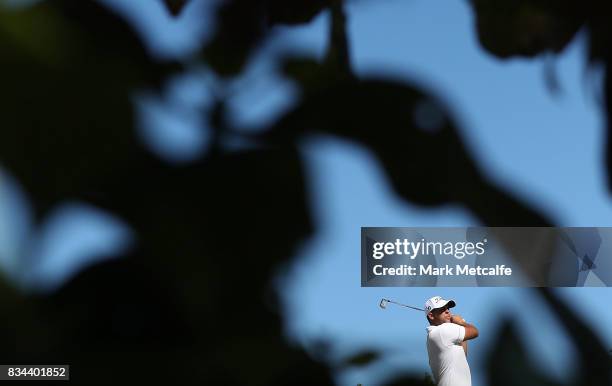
[437,302]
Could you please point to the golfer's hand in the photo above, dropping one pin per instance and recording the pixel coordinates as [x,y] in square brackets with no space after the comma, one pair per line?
[457,319]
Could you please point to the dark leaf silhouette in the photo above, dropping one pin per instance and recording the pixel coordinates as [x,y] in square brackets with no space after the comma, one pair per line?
[132,315]
[338,52]
[410,380]
[415,138]
[593,358]
[312,76]
[608,110]
[295,12]
[600,52]
[70,91]
[531,27]
[203,201]
[508,363]
[243,24]
[189,296]
[124,313]
[526,27]
[307,73]
[241,27]
[362,359]
[175,6]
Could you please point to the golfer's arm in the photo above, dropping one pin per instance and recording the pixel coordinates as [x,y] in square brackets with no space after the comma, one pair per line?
[471,331]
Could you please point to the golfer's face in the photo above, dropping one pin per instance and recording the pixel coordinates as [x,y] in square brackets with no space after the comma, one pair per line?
[442,315]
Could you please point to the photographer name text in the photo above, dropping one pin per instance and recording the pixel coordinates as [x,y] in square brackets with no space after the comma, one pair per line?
[447,270]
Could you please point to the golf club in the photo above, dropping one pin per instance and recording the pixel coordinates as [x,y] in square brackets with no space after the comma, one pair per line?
[383,304]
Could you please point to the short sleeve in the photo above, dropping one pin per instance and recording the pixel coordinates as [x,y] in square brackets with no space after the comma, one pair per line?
[452,333]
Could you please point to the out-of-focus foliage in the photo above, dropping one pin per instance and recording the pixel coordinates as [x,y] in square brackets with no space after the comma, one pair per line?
[175,6]
[413,134]
[68,69]
[411,380]
[192,303]
[510,364]
[526,27]
[243,25]
[508,354]
[510,28]
[362,359]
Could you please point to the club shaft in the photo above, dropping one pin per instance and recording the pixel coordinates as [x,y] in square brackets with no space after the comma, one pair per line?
[404,305]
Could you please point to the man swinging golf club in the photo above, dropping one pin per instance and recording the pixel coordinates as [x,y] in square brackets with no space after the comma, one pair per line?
[447,337]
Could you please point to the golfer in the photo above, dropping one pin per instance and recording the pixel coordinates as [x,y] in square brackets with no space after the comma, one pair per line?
[447,337]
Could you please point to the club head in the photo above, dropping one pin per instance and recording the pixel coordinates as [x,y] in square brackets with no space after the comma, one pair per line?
[383,303]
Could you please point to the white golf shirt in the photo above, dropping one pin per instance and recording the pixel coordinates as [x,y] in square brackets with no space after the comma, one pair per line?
[446,356]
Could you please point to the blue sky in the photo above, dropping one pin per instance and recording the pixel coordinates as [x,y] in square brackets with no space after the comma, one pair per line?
[544,147]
